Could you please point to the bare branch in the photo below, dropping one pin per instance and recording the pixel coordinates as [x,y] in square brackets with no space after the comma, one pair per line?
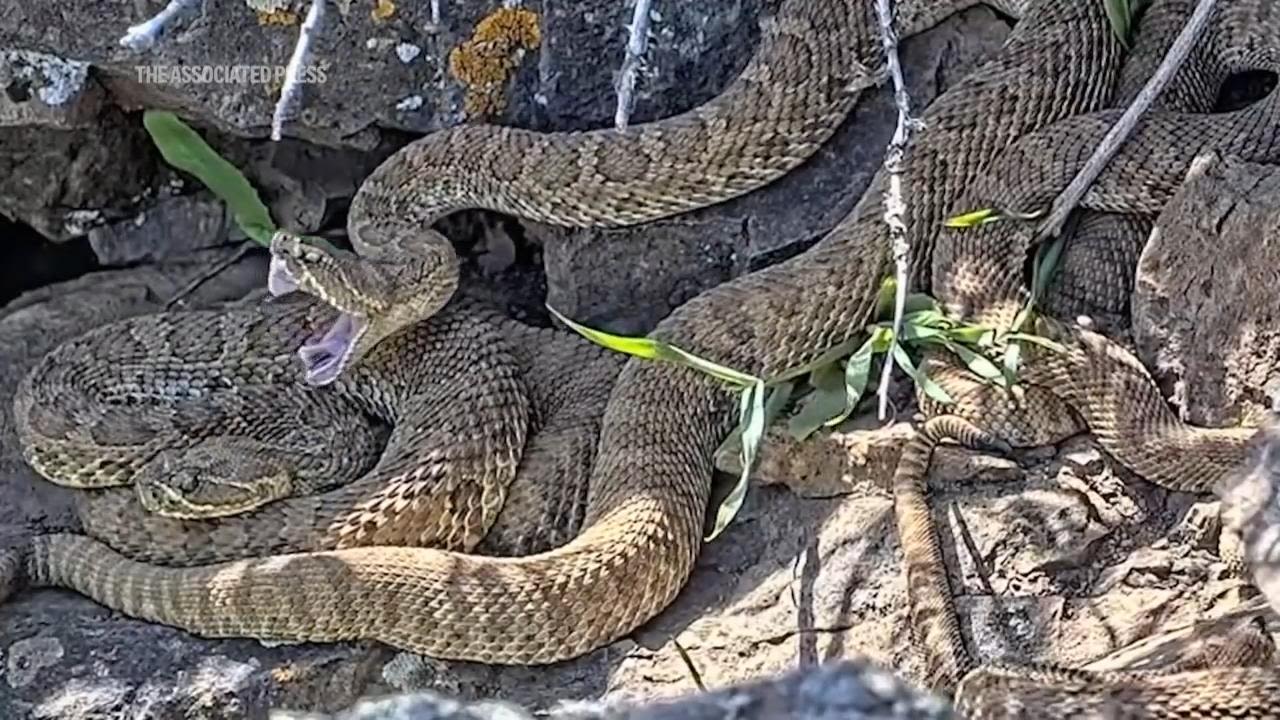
[895,207]
[1115,137]
[144,35]
[292,86]
[637,45]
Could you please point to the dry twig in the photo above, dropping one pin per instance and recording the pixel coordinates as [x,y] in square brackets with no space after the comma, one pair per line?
[895,207]
[637,45]
[1177,54]
[292,86]
[144,35]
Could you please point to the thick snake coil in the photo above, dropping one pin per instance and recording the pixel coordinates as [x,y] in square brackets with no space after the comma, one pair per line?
[650,484]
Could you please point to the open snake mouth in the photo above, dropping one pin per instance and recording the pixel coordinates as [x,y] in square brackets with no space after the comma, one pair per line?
[326,356]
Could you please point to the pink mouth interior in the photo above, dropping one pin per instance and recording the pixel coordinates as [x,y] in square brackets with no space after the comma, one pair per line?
[325,357]
[279,280]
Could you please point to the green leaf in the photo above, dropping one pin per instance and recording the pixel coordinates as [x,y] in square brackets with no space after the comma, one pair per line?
[913,303]
[638,347]
[650,349]
[881,340]
[928,318]
[776,400]
[972,335]
[884,298]
[1036,340]
[973,218]
[726,374]
[184,149]
[914,332]
[1012,359]
[1024,316]
[828,377]
[1120,14]
[931,388]
[816,409]
[1048,255]
[856,373]
[977,364]
[829,406]
[751,424]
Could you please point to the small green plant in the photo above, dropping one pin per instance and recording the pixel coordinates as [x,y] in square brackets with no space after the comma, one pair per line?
[751,405]
[838,379]
[183,148]
[838,387]
[973,218]
[1121,13]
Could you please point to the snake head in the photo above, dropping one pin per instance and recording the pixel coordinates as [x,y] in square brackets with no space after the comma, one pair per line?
[215,478]
[376,295]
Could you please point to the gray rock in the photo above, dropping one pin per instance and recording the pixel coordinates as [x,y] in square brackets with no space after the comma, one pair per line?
[1251,511]
[72,161]
[68,161]
[851,690]
[74,661]
[42,89]
[174,227]
[1206,309]
[388,72]
[825,464]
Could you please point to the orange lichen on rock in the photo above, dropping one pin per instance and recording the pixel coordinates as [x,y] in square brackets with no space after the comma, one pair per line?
[485,62]
[383,10]
[285,674]
[277,17]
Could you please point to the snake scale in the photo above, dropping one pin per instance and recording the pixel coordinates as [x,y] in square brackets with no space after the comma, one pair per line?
[649,486]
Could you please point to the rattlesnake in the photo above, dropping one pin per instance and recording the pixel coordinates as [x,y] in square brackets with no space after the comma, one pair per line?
[650,484]
[196,444]
[806,47]
[1108,388]
[480,432]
